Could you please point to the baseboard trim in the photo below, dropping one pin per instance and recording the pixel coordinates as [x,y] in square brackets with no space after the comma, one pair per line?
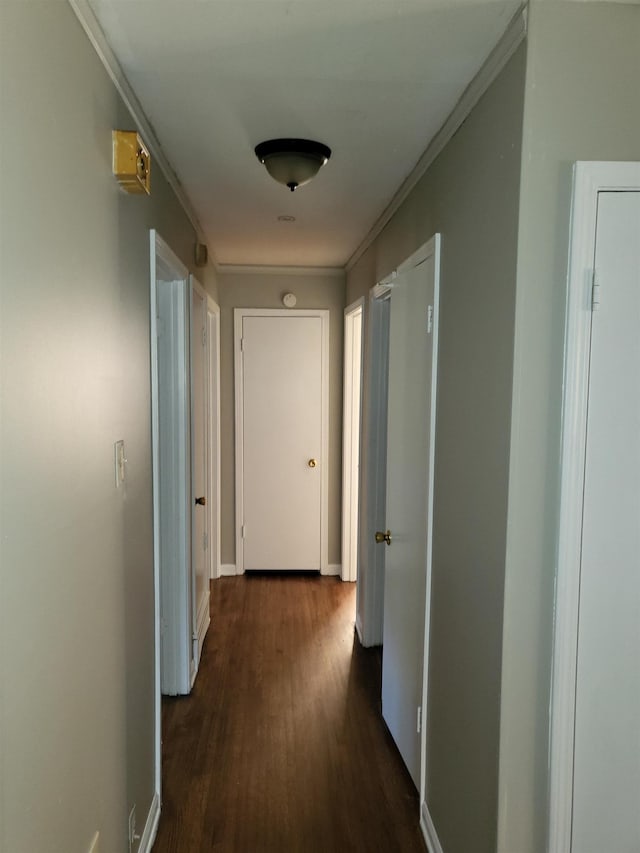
[228,570]
[151,826]
[332,570]
[429,831]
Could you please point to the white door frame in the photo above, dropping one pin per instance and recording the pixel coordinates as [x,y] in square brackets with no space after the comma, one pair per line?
[213,489]
[201,611]
[590,178]
[370,608]
[351,430]
[162,258]
[323,314]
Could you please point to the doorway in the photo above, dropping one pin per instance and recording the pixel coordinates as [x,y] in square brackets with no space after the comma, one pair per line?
[352,397]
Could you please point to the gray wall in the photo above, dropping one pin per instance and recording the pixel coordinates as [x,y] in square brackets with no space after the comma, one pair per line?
[470,195]
[76,575]
[581,103]
[256,290]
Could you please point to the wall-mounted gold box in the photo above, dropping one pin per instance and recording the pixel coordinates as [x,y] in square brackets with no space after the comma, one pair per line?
[131,162]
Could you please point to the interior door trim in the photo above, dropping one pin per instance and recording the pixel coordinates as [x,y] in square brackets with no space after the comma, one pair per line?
[238,316]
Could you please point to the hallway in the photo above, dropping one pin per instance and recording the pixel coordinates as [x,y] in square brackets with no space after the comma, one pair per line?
[281,747]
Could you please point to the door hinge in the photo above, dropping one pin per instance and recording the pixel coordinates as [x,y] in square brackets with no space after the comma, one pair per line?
[244,531]
[419,719]
[595,292]
[204,337]
[430,319]
[241,344]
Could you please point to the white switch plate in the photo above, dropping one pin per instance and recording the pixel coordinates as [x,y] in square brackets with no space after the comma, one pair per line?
[95,844]
[120,461]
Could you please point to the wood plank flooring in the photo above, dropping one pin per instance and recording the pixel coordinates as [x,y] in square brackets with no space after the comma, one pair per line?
[281,747]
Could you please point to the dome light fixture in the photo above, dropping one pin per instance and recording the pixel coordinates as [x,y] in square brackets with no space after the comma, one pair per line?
[292,162]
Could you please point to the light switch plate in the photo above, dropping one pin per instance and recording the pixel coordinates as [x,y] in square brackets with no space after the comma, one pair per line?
[120,462]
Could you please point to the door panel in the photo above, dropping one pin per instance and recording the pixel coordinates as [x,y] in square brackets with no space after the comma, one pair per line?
[408,478]
[282,431]
[606,790]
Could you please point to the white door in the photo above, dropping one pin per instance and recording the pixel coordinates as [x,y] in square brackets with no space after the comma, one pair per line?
[199,459]
[411,405]
[281,441]
[606,786]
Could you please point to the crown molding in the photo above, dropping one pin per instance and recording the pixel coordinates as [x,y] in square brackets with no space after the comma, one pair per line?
[96,36]
[509,42]
[256,269]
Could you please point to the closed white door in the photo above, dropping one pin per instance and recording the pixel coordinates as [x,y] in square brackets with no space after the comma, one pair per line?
[282,440]
[606,770]
[199,454]
[408,508]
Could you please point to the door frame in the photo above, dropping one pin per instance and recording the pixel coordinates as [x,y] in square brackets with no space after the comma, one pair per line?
[323,314]
[351,438]
[160,255]
[201,612]
[213,486]
[589,179]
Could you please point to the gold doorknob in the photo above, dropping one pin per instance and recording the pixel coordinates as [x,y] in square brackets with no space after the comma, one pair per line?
[201,501]
[383,537]
[312,463]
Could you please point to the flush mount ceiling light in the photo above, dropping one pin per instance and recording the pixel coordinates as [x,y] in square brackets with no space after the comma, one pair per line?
[292,162]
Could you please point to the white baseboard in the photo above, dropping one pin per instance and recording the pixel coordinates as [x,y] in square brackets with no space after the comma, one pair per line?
[429,831]
[151,826]
[332,570]
[228,570]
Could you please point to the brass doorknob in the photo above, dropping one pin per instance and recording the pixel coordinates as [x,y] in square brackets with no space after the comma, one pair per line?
[383,537]
[312,463]
[201,501]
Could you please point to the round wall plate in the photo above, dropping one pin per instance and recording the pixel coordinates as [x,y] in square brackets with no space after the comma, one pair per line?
[289,300]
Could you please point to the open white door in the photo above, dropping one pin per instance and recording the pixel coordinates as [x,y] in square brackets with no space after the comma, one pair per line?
[410,445]
[200,500]
[213,471]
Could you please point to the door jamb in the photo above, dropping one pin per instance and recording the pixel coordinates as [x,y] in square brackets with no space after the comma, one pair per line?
[353,313]
[589,179]
[213,341]
[201,611]
[158,251]
[323,315]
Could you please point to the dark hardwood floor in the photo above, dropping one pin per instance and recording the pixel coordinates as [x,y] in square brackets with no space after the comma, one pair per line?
[281,747]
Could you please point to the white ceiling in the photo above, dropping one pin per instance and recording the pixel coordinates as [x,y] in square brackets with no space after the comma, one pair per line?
[373,79]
